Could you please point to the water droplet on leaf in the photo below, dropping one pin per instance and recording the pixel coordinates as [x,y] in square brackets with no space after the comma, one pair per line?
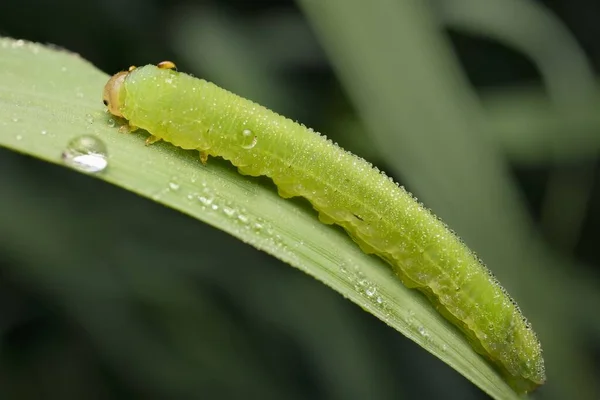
[86,153]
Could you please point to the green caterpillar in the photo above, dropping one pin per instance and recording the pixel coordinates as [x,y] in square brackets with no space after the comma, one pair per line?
[380,216]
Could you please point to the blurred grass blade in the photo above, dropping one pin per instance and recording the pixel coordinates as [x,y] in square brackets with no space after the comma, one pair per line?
[532,29]
[49,97]
[531,130]
[568,78]
[226,54]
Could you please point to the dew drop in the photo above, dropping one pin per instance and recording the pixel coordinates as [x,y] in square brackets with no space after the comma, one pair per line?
[86,153]
[423,332]
[174,186]
[206,201]
[111,122]
[258,226]
[19,137]
[44,132]
[249,140]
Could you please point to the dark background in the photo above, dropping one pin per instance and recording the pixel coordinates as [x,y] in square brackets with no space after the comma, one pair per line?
[146,303]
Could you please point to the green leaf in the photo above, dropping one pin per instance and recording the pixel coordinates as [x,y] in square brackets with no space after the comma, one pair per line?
[49,97]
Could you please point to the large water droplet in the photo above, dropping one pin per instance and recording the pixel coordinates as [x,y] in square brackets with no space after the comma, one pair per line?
[248,139]
[86,153]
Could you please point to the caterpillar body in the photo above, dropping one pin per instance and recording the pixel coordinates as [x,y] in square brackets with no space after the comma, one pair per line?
[381,217]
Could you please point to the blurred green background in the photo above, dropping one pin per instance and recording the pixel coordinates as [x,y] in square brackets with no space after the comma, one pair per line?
[488,111]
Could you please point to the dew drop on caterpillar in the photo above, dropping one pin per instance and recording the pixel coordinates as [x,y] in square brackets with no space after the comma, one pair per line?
[381,217]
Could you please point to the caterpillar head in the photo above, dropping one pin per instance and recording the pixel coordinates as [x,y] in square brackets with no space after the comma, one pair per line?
[112,93]
[111,97]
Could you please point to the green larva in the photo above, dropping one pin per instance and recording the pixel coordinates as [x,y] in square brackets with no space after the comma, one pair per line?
[380,216]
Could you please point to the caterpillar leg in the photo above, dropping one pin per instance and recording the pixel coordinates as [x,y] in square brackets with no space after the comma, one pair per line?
[152,139]
[128,128]
[203,157]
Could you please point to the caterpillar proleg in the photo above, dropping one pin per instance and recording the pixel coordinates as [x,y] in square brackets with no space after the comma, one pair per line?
[381,217]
